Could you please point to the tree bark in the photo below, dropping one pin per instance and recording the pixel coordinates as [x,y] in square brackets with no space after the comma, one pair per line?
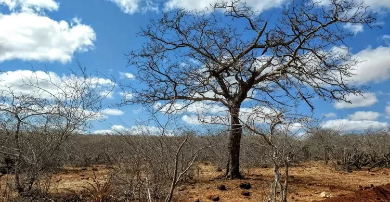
[234,143]
[18,161]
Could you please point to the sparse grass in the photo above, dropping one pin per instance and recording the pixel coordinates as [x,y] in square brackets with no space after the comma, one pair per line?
[99,190]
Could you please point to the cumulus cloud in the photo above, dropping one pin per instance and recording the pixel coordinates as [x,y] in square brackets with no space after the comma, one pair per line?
[294,127]
[197,107]
[133,6]
[373,66]
[377,4]
[107,94]
[364,115]
[365,100]
[350,125]
[205,119]
[354,28]
[47,84]
[135,130]
[258,6]
[29,35]
[26,5]
[208,113]
[126,95]
[330,115]
[112,112]
[374,5]
[126,75]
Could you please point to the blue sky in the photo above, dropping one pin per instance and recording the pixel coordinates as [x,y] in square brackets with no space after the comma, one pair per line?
[51,35]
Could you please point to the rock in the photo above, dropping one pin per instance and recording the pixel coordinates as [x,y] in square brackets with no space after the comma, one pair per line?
[197,200]
[325,195]
[213,197]
[245,185]
[245,193]
[222,187]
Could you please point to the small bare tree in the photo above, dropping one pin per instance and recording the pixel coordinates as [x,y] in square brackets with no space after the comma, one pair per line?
[206,57]
[278,137]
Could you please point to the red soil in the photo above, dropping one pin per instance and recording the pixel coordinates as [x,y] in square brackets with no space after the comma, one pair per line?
[380,193]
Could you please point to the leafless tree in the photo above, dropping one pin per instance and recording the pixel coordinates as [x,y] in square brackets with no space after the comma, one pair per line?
[233,54]
[39,114]
[279,138]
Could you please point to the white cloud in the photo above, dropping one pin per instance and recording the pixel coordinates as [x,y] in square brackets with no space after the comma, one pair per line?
[136,130]
[374,5]
[107,94]
[192,120]
[103,132]
[133,6]
[112,112]
[377,4]
[354,28]
[21,82]
[127,6]
[199,114]
[386,39]
[126,95]
[330,115]
[26,5]
[366,100]
[205,119]
[197,107]
[126,75]
[293,127]
[258,6]
[29,35]
[364,115]
[374,66]
[348,125]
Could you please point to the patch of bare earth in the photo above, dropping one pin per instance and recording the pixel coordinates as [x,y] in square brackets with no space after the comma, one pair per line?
[313,181]
[308,182]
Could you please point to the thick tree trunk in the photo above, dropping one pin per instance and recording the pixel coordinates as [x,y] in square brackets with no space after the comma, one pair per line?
[234,143]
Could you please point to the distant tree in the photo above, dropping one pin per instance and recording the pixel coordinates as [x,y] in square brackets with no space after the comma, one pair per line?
[233,54]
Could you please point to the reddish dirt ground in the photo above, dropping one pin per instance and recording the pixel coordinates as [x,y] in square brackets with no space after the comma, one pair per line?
[307,183]
[375,194]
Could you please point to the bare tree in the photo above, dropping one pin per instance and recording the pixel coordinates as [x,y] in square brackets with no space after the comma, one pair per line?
[233,54]
[39,114]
